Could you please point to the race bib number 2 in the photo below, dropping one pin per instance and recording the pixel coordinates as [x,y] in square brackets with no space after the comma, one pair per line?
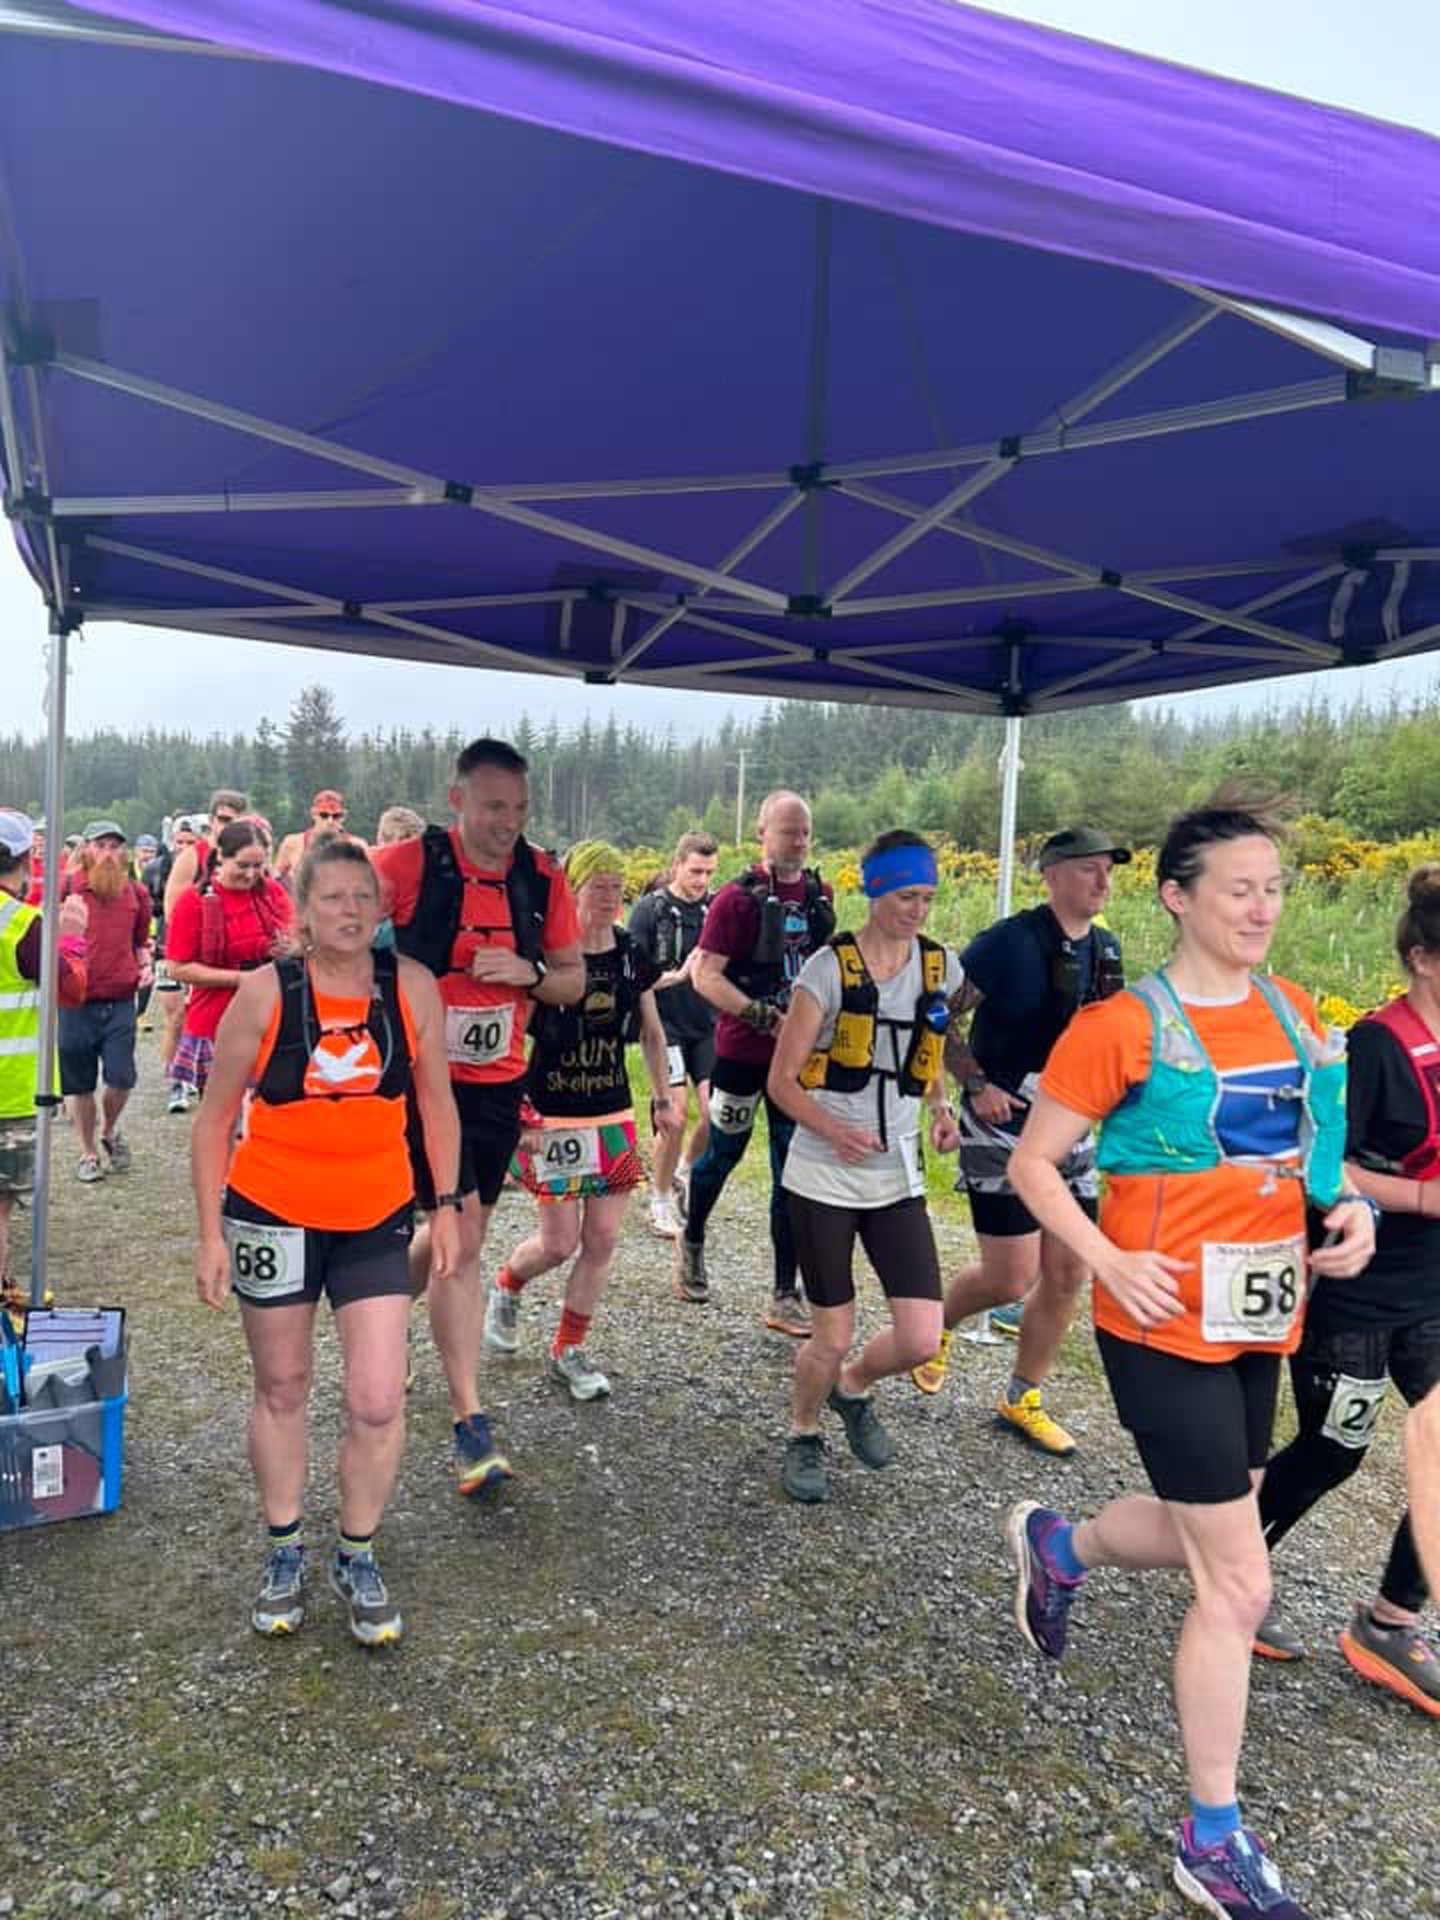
[1251,1293]
[478,1036]
[266,1262]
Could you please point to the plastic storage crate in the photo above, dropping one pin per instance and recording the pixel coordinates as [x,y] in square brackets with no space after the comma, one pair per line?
[64,1462]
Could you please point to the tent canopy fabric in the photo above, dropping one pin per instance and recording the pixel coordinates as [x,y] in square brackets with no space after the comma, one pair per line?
[883,351]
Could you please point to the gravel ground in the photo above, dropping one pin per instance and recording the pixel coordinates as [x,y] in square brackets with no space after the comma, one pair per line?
[641,1683]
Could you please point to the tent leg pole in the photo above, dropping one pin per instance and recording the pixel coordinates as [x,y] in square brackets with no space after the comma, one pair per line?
[1009,796]
[45,1100]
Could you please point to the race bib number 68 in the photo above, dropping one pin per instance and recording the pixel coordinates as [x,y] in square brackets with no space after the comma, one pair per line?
[1251,1292]
[266,1262]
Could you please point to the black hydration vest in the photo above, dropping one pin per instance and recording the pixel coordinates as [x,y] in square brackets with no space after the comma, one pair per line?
[762,975]
[430,935]
[1007,1049]
[557,1030]
[283,1081]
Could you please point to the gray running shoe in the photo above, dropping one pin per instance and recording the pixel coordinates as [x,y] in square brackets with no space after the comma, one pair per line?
[89,1170]
[502,1319]
[1396,1658]
[1275,1641]
[688,1274]
[177,1100]
[117,1147]
[869,1442]
[280,1604]
[375,1620]
[575,1370]
[803,1474]
[788,1313]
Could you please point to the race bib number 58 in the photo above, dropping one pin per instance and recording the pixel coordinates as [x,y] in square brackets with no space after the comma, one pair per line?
[478,1036]
[1251,1292]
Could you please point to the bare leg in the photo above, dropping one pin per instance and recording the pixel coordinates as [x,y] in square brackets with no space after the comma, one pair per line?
[113,1102]
[82,1107]
[818,1363]
[556,1236]
[280,1340]
[372,1339]
[1049,1309]
[173,1008]
[1008,1268]
[700,1138]
[457,1311]
[665,1156]
[1229,1564]
[599,1234]
[909,1340]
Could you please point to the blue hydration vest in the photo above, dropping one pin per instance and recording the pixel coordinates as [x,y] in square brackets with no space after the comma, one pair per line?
[1168,1123]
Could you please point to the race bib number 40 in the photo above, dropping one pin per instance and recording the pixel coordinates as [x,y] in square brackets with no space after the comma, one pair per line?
[478,1036]
[1251,1293]
[568,1154]
[732,1112]
[266,1262]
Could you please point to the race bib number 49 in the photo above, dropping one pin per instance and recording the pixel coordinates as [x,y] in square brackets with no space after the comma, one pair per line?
[266,1262]
[569,1153]
[1251,1292]
[478,1036]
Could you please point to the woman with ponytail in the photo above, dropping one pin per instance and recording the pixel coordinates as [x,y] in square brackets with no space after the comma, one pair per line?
[1383,1325]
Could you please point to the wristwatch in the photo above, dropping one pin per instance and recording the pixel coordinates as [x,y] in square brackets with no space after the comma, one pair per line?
[455,1200]
[540,972]
[974,1083]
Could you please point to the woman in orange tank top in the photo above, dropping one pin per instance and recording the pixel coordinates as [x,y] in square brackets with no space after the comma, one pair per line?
[1200,1263]
[318,1197]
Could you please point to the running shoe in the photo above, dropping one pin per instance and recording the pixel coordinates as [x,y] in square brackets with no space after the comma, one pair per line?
[576,1371]
[1234,1881]
[176,1101]
[1007,1319]
[117,1150]
[1396,1658]
[802,1476]
[929,1376]
[788,1314]
[480,1467]
[1043,1595]
[1029,1419]
[280,1604]
[665,1221]
[869,1442]
[375,1620]
[89,1170]
[502,1319]
[1275,1641]
[687,1276]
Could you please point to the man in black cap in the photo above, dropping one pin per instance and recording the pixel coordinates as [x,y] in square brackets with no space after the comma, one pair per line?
[1025,978]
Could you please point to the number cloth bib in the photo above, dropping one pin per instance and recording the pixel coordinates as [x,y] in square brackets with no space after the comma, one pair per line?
[266,1262]
[478,1036]
[732,1112]
[568,1153]
[675,1065]
[1354,1411]
[1251,1293]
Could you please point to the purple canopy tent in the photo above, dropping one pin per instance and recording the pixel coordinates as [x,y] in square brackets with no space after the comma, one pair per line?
[883,350]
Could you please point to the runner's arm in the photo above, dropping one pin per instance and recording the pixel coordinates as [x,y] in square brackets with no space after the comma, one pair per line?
[960,1062]
[439,1121]
[1422,1461]
[182,875]
[1143,1282]
[709,981]
[657,1065]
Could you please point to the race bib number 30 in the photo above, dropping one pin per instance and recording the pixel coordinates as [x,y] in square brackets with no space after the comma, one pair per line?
[568,1154]
[478,1036]
[732,1112]
[266,1262]
[1251,1293]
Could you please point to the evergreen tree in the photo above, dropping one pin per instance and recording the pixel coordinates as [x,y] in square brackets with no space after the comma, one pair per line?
[315,751]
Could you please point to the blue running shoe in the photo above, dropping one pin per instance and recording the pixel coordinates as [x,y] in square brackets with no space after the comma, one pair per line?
[480,1467]
[1043,1594]
[1007,1319]
[375,1620]
[280,1604]
[1235,1881]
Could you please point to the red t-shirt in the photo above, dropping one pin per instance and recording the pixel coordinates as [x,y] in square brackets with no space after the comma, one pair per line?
[730,929]
[249,943]
[484,1023]
[116,932]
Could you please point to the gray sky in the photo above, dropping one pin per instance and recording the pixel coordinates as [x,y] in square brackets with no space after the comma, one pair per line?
[1380,59]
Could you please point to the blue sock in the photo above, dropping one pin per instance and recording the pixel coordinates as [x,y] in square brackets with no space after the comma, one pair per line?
[1018,1388]
[1060,1546]
[1213,1826]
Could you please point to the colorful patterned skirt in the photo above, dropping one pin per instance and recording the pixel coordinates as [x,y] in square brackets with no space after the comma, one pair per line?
[580,1160]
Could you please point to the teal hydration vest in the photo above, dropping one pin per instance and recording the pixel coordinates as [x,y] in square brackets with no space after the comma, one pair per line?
[1167,1124]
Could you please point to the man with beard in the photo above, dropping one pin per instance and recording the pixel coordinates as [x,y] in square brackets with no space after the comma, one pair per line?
[100,1035]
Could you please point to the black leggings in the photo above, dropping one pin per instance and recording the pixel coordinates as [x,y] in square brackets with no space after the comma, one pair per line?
[1338,1379]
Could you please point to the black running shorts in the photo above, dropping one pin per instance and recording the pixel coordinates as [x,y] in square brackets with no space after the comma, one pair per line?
[489,1135]
[276,1264]
[1200,1426]
[897,1239]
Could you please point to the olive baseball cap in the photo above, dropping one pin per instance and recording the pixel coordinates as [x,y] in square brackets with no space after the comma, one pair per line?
[1080,843]
[105,830]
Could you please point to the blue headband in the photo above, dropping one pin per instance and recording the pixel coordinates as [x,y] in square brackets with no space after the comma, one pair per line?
[898,867]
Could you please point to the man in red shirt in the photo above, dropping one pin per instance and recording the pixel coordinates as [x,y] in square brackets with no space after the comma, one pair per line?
[493,919]
[759,932]
[101,1033]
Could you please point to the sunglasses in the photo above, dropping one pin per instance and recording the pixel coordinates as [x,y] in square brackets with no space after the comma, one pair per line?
[321,814]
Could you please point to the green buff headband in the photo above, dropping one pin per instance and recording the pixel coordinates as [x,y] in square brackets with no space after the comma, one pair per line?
[589,857]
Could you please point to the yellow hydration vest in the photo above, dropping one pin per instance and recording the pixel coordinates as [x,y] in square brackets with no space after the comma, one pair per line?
[847,1065]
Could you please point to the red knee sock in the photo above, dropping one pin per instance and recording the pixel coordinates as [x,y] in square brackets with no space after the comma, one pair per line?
[507,1282]
[571,1331]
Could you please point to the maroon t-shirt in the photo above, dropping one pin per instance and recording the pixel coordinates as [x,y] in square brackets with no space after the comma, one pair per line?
[730,929]
[117,931]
